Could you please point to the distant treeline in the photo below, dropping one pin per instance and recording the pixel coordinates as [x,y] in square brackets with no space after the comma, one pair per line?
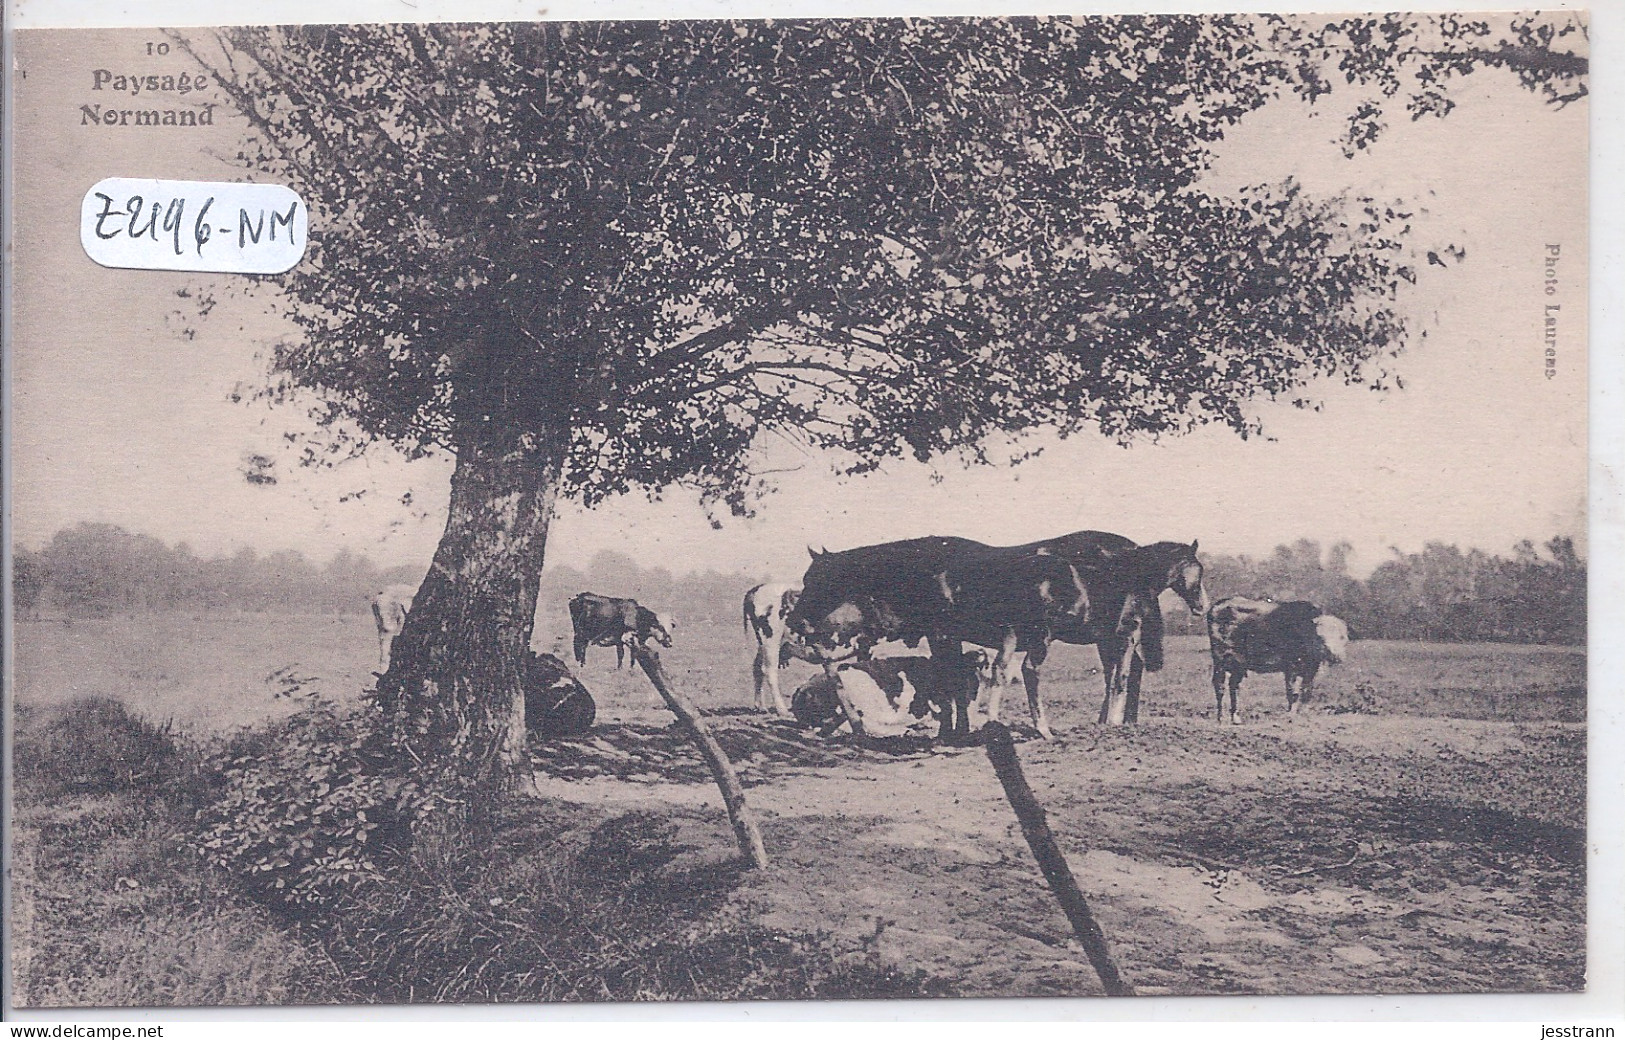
[1440,594]
[1538,595]
[93,570]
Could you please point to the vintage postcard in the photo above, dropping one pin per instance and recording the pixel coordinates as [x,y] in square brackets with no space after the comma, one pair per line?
[523,512]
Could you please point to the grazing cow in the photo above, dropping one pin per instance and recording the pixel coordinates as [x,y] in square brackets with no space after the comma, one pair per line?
[607,621]
[556,704]
[389,609]
[765,609]
[1261,635]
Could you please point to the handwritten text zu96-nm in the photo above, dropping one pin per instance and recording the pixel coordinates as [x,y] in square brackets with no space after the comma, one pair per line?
[193,226]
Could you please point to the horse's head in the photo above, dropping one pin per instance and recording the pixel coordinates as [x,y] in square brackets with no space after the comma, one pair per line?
[1184,576]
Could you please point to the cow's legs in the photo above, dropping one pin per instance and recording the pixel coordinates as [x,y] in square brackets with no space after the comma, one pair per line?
[760,669]
[1029,678]
[1004,668]
[772,654]
[953,700]
[1218,692]
[1235,692]
[1291,694]
[581,649]
[1307,686]
[1115,711]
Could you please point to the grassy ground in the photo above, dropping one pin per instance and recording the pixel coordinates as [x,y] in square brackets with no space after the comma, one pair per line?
[1420,829]
[114,907]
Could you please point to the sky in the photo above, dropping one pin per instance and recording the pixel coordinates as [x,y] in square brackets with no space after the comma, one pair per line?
[118,416]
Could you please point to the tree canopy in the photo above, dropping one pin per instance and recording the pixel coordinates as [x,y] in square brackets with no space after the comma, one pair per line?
[877,237]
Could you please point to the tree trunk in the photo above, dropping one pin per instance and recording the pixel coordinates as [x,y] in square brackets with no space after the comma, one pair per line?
[453,694]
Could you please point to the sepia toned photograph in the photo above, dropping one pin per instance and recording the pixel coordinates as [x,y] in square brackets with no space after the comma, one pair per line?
[811,509]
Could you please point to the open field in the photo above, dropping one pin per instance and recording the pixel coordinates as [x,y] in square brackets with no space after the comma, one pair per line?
[1419,829]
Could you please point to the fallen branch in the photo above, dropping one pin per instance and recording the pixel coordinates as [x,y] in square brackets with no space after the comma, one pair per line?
[1001,751]
[733,795]
[1375,857]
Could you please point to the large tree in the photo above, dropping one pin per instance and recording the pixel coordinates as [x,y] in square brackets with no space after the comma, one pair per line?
[589,259]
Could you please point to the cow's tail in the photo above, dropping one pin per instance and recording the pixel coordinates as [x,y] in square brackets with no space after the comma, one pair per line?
[750,622]
[378,613]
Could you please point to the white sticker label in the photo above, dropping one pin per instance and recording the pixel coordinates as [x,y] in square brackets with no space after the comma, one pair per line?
[193,226]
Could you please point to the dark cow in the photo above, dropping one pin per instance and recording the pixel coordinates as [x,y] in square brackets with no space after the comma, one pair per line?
[607,621]
[1261,635]
[1013,602]
[858,597]
[1124,621]
[853,599]
[556,704]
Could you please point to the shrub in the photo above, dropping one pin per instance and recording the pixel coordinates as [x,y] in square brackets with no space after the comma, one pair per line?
[306,813]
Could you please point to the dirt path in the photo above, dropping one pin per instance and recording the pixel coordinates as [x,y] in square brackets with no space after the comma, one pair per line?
[1334,854]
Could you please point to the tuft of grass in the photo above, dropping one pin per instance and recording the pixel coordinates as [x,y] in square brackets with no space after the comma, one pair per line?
[92,746]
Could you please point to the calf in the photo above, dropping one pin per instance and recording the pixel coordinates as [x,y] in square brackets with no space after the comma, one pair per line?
[1261,635]
[389,609]
[765,609]
[607,621]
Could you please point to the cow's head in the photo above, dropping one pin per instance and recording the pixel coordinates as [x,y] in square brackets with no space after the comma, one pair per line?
[1334,637]
[1185,578]
[662,628]
[824,617]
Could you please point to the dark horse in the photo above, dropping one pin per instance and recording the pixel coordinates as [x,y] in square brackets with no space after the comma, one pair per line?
[903,591]
[1124,621]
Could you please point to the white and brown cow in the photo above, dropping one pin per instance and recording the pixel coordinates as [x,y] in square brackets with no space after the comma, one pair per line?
[765,608]
[389,610]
